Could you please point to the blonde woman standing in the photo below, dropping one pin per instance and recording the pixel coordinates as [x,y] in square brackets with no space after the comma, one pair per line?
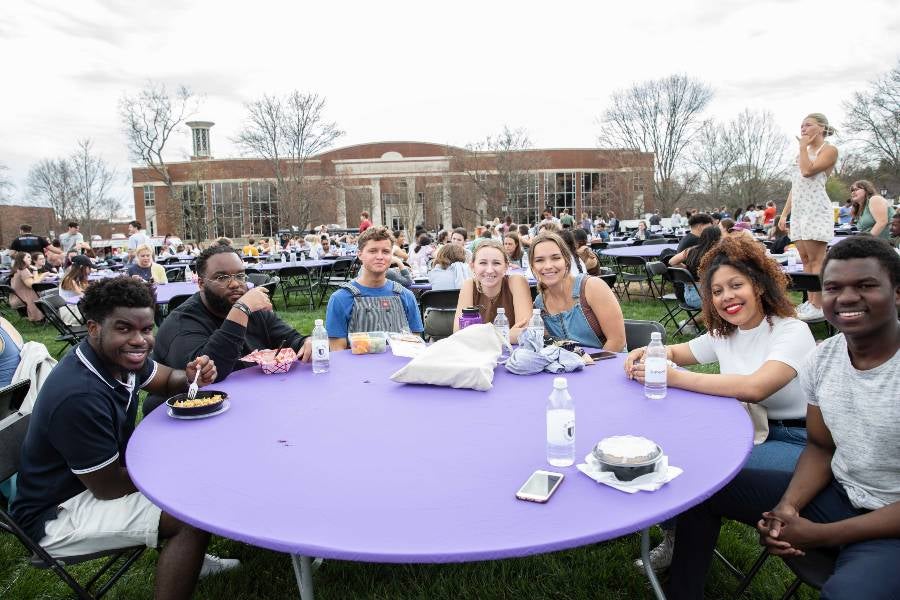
[812,218]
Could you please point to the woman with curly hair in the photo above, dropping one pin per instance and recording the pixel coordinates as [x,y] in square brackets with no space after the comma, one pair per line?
[759,345]
[870,210]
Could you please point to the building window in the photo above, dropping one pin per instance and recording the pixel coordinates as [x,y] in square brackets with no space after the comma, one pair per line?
[595,193]
[559,192]
[523,202]
[149,196]
[263,200]
[638,182]
[389,199]
[194,219]
[227,210]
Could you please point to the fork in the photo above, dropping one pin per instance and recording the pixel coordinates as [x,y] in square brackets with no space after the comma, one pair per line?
[193,388]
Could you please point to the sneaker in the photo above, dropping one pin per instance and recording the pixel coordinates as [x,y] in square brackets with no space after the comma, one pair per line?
[802,307]
[213,565]
[812,313]
[661,556]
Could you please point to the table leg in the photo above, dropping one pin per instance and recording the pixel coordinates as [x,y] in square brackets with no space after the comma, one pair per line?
[645,557]
[303,570]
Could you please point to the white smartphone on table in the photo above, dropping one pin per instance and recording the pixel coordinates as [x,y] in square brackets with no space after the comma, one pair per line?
[540,486]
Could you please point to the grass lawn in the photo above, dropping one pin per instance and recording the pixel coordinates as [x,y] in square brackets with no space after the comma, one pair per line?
[596,571]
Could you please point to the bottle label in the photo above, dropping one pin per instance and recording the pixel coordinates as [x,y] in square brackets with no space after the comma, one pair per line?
[560,426]
[655,370]
[320,349]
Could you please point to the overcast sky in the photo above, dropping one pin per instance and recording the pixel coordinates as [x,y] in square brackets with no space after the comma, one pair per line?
[447,72]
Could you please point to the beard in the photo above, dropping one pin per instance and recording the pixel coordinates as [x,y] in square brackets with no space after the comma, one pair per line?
[219,305]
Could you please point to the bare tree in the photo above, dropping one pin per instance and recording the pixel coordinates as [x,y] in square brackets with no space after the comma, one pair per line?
[660,116]
[760,164]
[6,185]
[288,131]
[502,170]
[51,183]
[92,181]
[713,155]
[150,118]
[873,118]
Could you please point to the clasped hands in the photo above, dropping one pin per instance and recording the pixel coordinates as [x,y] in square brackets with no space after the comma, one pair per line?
[785,533]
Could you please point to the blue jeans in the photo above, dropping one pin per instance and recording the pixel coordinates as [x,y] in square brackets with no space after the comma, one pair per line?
[691,297]
[864,570]
[779,452]
[781,449]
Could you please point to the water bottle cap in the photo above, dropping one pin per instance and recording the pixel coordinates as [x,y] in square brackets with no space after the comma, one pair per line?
[318,322]
[655,336]
[560,383]
[536,311]
[501,310]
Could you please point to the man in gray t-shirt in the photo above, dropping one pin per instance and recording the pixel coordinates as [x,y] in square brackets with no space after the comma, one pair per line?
[844,495]
[72,239]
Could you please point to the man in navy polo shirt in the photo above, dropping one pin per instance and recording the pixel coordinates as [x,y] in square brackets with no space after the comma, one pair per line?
[74,494]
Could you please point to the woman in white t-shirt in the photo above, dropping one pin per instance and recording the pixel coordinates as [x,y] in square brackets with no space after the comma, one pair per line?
[759,344]
[757,341]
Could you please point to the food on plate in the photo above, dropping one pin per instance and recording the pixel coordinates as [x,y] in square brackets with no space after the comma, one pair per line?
[197,402]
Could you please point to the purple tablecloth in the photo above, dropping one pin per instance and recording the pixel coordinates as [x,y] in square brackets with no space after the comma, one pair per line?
[167,291]
[650,251]
[350,465]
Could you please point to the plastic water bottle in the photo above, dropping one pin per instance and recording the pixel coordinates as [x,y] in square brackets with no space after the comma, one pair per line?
[187,273]
[655,365]
[293,258]
[536,324]
[501,324]
[560,425]
[321,356]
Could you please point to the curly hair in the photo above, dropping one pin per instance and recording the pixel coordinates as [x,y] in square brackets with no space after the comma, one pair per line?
[209,253]
[866,246]
[376,233]
[748,257]
[104,296]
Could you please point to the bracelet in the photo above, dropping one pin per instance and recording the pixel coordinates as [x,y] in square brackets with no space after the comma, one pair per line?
[243,308]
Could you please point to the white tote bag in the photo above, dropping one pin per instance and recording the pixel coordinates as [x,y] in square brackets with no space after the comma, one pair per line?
[466,359]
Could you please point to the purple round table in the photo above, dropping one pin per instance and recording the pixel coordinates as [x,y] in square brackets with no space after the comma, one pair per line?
[350,465]
[645,251]
[277,266]
[167,291]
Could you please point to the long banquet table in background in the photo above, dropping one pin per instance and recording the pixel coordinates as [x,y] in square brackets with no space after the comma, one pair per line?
[350,465]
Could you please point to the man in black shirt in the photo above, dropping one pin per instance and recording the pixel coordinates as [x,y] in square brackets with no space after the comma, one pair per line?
[698,222]
[75,495]
[224,320]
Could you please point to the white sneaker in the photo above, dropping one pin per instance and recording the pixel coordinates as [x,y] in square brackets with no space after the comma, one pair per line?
[213,565]
[812,313]
[661,556]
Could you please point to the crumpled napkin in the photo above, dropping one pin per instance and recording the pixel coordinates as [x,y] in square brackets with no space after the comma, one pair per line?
[645,483]
[533,357]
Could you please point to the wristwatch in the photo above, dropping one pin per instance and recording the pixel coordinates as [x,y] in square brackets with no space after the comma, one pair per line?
[243,308]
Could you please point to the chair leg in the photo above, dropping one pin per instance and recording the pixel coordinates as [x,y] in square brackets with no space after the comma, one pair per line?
[748,578]
[792,589]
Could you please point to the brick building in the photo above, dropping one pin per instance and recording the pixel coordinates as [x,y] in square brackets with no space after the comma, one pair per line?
[398,183]
[42,220]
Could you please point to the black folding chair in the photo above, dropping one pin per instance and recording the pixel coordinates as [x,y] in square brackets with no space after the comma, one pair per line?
[12,436]
[633,269]
[336,276]
[301,280]
[438,311]
[12,396]
[70,334]
[637,333]
[176,301]
[658,269]
[258,278]
[812,569]
[173,275]
[805,283]
[681,278]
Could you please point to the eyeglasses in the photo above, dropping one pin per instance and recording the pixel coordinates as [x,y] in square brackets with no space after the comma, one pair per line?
[853,189]
[225,279]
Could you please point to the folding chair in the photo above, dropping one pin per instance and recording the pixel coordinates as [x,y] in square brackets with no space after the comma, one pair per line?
[176,301]
[637,333]
[71,335]
[812,569]
[808,282]
[173,275]
[12,436]
[12,396]
[633,269]
[438,311]
[336,276]
[684,278]
[659,269]
[301,280]
[258,278]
